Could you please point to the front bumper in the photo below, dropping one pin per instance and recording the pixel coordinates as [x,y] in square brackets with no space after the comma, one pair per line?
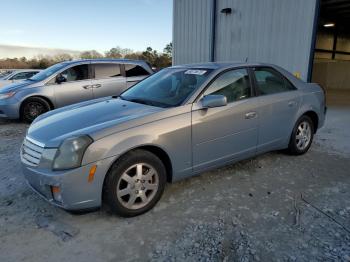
[76,192]
[9,108]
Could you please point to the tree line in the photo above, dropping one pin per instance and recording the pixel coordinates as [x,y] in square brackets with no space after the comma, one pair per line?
[153,57]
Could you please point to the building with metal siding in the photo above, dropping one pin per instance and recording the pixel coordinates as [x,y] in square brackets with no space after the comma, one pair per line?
[192,31]
[281,32]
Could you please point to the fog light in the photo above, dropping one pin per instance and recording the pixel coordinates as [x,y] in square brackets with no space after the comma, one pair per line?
[56,193]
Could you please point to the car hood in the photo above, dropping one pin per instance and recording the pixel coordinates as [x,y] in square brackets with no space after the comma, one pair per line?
[96,118]
[15,86]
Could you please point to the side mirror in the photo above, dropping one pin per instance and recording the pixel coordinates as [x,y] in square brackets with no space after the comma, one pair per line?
[210,101]
[60,79]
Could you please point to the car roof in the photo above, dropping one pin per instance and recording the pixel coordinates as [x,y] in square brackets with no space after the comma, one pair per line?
[25,70]
[125,61]
[220,65]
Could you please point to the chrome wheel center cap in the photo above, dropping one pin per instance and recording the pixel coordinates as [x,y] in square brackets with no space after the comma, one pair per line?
[138,185]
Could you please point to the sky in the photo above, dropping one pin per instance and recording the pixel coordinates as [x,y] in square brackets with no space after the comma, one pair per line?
[86,24]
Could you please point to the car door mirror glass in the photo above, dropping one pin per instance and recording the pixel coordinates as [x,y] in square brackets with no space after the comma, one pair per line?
[60,79]
[210,101]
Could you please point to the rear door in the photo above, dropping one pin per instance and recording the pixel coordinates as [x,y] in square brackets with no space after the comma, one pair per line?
[76,88]
[279,102]
[108,79]
[134,74]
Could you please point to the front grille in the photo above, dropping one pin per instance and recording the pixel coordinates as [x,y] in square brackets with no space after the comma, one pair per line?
[31,152]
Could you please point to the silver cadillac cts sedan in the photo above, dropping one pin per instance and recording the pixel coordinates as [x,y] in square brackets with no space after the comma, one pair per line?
[178,122]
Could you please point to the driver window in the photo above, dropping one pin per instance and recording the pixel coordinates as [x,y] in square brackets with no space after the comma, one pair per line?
[76,73]
[234,84]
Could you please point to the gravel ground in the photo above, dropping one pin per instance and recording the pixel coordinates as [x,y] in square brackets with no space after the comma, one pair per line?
[274,207]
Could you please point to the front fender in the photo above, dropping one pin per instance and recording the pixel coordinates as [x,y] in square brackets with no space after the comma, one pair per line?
[172,135]
[102,148]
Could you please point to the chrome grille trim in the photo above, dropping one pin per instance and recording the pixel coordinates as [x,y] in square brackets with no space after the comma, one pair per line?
[31,152]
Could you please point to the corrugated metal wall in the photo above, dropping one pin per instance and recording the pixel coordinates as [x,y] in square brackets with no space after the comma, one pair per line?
[192,31]
[273,31]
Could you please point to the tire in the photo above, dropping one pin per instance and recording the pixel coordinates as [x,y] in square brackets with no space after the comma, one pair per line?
[135,183]
[302,136]
[32,108]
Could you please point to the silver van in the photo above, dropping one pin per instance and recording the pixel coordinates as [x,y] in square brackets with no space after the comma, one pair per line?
[68,83]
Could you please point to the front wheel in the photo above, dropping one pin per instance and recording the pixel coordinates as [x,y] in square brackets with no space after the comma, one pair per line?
[135,183]
[32,108]
[302,136]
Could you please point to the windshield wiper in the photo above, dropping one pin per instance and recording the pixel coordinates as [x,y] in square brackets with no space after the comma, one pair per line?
[141,101]
[144,101]
[135,100]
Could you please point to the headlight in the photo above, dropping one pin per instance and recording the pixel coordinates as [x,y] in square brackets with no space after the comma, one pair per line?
[7,95]
[70,153]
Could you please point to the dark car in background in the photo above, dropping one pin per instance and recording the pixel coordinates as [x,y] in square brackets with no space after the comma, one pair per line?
[17,75]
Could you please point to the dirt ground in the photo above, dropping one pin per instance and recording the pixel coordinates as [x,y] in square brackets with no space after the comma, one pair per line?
[274,207]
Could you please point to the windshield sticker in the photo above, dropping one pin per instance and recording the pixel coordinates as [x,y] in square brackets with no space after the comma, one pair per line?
[195,72]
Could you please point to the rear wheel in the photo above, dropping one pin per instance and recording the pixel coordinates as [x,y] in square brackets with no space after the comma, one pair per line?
[135,183]
[33,107]
[302,136]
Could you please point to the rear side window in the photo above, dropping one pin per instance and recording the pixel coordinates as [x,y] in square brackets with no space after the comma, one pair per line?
[107,70]
[135,70]
[271,82]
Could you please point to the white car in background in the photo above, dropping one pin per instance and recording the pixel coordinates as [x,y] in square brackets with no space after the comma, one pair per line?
[17,75]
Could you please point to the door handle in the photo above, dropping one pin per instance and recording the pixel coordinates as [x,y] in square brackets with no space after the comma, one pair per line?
[96,86]
[291,103]
[250,115]
[87,87]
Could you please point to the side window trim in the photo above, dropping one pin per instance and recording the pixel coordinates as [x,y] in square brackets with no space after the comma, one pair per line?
[253,93]
[253,85]
[92,71]
[122,70]
[256,86]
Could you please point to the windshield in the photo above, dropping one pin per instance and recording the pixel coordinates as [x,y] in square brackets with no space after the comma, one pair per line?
[48,72]
[167,88]
[3,75]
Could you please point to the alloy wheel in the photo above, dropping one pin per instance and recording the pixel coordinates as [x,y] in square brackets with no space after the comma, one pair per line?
[303,135]
[33,110]
[137,186]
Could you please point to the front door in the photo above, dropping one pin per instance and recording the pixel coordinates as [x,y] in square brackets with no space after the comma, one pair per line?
[222,134]
[75,88]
